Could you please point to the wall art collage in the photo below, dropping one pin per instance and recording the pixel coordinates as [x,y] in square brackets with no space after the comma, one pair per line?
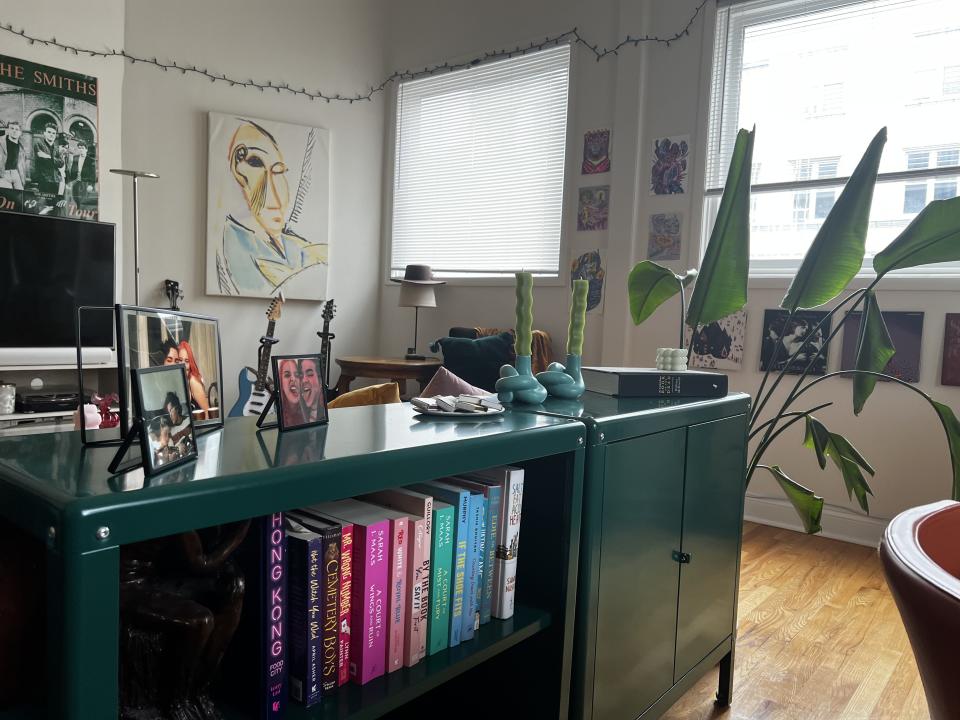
[588,258]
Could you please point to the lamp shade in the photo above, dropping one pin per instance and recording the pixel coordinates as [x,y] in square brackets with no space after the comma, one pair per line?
[417,295]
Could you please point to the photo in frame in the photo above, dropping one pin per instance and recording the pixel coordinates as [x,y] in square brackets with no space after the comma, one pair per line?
[160,401]
[906,333]
[153,337]
[298,391]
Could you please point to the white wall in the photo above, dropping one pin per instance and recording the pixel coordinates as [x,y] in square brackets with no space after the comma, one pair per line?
[423,32]
[325,44]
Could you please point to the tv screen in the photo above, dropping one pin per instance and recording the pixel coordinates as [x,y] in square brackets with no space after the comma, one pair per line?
[49,267]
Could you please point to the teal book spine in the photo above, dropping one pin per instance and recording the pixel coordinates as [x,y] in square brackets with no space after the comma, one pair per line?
[458,597]
[441,569]
[471,608]
[491,529]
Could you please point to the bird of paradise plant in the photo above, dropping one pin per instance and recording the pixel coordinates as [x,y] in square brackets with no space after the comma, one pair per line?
[833,260]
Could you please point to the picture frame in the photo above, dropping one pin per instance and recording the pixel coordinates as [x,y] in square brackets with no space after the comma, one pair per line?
[298,391]
[167,434]
[154,337]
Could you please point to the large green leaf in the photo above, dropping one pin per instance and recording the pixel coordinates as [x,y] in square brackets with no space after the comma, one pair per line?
[952,427]
[932,237]
[721,289]
[874,350]
[649,285]
[808,505]
[836,254]
[844,455]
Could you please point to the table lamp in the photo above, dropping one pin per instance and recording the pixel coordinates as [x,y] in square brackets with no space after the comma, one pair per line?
[417,290]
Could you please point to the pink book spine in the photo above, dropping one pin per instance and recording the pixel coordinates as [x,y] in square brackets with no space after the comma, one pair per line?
[418,586]
[346,581]
[368,637]
[399,552]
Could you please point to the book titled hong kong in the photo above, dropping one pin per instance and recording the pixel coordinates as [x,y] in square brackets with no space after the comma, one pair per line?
[256,662]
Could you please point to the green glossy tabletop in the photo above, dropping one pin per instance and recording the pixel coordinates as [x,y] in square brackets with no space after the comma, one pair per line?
[240,472]
[619,418]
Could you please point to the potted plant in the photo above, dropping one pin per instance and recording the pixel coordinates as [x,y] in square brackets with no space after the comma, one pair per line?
[833,260]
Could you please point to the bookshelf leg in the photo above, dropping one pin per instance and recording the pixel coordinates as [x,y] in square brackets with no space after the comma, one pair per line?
[82,633]
[725,689]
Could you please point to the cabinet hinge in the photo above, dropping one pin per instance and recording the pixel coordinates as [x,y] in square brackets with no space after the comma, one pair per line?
[681,557]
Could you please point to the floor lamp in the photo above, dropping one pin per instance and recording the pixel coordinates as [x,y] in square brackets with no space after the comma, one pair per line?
[136,175]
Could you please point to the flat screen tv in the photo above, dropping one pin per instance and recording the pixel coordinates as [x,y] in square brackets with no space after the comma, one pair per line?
[49,267]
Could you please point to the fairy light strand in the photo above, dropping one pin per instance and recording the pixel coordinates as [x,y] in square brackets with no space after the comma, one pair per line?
[572,36]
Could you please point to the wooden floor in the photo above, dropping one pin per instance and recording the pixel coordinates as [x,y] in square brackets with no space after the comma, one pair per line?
[819,637]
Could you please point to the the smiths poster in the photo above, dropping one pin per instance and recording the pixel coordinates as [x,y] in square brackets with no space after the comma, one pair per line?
[49,132]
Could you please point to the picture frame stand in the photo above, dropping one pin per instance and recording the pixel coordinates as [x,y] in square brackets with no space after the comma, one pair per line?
[133,434]
[262,422]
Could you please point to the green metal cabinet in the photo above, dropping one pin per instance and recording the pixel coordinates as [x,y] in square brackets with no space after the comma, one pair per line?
[62,495]
[660,548]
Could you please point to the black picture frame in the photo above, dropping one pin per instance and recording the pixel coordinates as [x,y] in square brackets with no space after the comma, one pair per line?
[289,417]
[146,415]
[131,356]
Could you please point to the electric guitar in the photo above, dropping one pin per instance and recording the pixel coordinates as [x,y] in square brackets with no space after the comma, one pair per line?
[329,310]
[254,384]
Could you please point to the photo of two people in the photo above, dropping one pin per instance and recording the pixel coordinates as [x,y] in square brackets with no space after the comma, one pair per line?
[161,398]
[299,391]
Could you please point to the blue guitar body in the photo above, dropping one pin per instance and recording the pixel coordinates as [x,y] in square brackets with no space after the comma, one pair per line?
[251,401]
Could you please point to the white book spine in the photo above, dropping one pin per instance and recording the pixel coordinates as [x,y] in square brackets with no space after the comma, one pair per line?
[505,567]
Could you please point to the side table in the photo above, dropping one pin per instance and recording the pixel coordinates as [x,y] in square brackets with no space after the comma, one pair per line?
[397,369]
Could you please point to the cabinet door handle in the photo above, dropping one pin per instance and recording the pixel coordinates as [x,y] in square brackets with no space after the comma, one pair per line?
[681,557]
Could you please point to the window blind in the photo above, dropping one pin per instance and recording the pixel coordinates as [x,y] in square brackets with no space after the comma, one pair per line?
[478,174]
[818,78]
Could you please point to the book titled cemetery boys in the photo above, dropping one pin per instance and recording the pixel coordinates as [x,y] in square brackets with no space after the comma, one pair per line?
[257,663]
[650,382]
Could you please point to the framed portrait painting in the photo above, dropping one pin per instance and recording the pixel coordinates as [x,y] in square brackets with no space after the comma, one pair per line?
[151,337]
[267,208]
[298,386]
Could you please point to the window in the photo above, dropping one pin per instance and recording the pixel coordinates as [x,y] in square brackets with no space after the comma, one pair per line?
[818,78]
[478,175]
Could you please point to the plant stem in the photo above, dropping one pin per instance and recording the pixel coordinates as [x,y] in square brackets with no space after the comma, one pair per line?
[823,347]
[789,414]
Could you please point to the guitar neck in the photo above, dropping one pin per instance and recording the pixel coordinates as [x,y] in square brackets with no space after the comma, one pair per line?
[264,366]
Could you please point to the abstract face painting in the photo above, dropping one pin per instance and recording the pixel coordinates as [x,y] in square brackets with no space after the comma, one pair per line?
[267,214]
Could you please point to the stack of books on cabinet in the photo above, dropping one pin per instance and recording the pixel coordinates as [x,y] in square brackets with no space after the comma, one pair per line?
[352,590]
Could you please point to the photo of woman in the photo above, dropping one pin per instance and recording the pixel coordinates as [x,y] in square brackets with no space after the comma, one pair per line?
[199,406]
[300,392]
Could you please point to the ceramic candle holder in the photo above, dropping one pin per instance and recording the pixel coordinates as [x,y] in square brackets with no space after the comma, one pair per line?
[671,359]
[518,385]
[563,380]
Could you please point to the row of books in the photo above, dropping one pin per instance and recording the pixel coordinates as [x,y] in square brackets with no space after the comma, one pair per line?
[361,587]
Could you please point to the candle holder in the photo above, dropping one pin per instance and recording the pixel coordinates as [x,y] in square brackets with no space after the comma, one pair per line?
[563,380]
[517,383]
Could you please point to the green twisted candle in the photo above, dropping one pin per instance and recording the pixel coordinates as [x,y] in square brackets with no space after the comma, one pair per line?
[524,313]
[578,317]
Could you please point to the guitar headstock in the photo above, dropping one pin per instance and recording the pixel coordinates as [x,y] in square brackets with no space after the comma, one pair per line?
[329,310]
[273,311]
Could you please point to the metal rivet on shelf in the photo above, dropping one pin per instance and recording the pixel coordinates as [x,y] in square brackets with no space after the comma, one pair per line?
[103,533]
[51,533]
[602,437]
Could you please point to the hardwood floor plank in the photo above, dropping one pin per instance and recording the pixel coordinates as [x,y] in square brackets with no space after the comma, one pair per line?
[818,636]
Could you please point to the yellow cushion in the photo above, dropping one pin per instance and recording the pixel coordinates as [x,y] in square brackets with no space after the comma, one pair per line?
[372,395]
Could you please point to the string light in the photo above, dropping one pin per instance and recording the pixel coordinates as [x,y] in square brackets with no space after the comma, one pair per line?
[572,36]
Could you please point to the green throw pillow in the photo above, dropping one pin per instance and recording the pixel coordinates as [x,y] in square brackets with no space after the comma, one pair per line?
[477,361]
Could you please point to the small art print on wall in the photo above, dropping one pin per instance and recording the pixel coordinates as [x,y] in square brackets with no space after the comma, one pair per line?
[668,170]
[801,337]
[664,240]
[950,373]
[267,208]
[906,331]
[719,345]
[589,267]
[596,152]
[593,208]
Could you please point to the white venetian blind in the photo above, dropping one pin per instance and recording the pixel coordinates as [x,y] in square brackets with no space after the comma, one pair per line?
[478,179]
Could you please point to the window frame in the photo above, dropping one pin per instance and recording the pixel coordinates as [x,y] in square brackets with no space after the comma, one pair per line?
[571,164]
[779,273]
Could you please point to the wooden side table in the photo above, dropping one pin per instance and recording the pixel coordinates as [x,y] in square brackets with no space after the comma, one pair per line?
[397,369]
